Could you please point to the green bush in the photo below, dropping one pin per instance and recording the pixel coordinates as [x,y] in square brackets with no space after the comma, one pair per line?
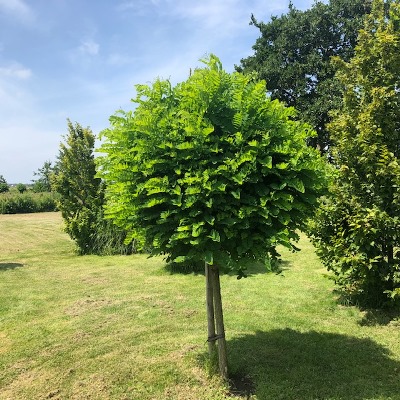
[27,202]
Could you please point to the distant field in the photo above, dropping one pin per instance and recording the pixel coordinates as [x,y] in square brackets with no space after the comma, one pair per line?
[123,327]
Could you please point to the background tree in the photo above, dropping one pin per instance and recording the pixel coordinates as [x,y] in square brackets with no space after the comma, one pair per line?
[293,56]
[210,170]
[4,187]
[43,181]
[82,196]
[21,188]
[357,231]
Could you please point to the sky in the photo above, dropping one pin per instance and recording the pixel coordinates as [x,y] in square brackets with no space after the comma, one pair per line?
[80,59]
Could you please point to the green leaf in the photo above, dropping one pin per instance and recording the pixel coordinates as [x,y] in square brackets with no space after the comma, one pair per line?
[236,194]
[209,257]
[214,236]
[296,184]
[209,219]
[266,162]
[282,165]
[197,229]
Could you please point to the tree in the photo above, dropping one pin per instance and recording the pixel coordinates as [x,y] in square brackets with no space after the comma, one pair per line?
[357,230]
[78,187]
[43,182]
[210,170]
[3,185]
[293,56]
[21,188]
[82,196]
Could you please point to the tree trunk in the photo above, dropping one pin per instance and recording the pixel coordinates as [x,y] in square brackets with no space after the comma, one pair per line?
[210,312]
[219,322]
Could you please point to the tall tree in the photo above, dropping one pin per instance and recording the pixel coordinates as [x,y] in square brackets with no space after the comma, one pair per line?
[210,170]
[293,56]
[79,189]
[81,196]
[357,231]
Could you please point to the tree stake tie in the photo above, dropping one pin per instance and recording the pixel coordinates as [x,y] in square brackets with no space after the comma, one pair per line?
[215,338]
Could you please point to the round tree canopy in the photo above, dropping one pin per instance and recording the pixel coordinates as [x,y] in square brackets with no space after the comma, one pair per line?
[210,169]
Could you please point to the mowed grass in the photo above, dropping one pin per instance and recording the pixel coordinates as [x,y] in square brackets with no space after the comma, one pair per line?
[124,327]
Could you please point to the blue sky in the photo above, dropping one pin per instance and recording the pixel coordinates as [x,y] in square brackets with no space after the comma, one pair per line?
[80,59]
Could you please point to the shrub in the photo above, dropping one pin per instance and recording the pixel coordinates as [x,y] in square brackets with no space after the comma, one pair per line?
[20,203]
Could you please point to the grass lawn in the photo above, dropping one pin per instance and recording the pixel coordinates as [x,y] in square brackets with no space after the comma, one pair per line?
[124,327]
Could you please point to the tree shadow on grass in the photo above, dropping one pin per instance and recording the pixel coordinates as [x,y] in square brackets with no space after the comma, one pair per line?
[252,268]
[371,316]
[286,364]
[381,317]
[8,266]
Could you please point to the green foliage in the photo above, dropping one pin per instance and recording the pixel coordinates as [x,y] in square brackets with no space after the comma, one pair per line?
[210,170]
[3,185]
[357,230]
[77,186]
[293,56]
[82,196]
[43,182]
[27,202]
[21,188]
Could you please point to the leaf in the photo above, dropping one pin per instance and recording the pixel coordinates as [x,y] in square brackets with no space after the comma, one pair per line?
[215,237]
[254,143]
[197,229]
[282,165]
[208,130]
[209,257]
[209,219]
[297,184]
[184,228]
[185,146]
[177,190]
[267,162]
[180,259]
[236,194]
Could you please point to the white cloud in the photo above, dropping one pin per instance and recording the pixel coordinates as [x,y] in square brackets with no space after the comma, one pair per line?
[18,9]
[15,70]
[83,54]
[89,47]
